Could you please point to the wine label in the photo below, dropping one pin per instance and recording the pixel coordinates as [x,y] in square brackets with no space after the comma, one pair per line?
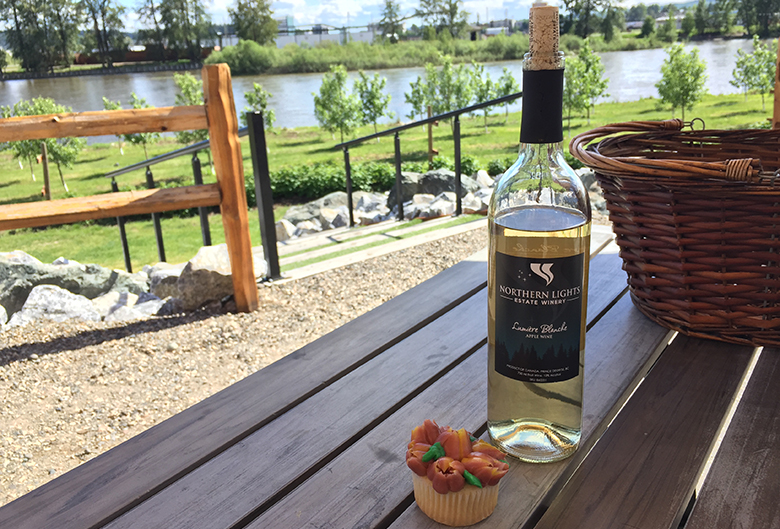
[538,317]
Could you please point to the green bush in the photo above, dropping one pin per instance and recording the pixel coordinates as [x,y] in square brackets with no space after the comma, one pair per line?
[442,162]
[246,58]
[414,167]
[469,165]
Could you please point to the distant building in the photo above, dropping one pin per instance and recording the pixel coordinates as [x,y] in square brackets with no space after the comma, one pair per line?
[506,23]
[286,25]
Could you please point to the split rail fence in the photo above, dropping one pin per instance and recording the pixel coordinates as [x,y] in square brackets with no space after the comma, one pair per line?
[218,115]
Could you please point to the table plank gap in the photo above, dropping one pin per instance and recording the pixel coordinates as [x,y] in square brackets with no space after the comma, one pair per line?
[741,488]
[643,470]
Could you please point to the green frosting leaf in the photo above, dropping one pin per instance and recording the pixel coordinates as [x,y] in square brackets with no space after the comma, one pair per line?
[434,452]
[471,479]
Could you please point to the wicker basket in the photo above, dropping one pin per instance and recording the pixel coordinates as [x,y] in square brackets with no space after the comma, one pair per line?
[697,219]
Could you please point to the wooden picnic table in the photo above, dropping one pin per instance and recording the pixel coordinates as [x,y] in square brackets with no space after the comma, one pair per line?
[318,438]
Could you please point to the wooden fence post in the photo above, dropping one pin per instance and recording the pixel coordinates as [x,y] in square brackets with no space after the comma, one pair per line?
[776,108]
[228,163]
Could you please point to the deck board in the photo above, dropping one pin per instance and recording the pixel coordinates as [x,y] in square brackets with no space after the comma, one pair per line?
[742,487]
[643,470]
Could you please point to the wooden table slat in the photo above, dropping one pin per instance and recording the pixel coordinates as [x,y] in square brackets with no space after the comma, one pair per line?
[98,491]
[742,488]
[336,495]
[642,472]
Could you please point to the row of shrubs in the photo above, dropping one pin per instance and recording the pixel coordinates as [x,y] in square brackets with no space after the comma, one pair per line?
[250,58]
[313,181]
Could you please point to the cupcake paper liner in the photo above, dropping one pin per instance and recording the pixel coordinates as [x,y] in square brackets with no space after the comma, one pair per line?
[456,509]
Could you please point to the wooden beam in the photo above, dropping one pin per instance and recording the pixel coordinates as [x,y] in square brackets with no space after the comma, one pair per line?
[229,166]
[100,123]
[35,214]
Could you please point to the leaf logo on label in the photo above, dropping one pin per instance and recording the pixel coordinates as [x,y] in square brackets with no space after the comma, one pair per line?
[543,271]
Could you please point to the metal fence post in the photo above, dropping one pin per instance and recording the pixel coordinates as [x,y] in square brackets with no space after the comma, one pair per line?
[458,186]
[398,196]
[349,186]
[263,194]
[197,174]
[123,234]
[156,219]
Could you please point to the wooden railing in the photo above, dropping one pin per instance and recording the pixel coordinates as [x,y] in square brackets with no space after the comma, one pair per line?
[218,115]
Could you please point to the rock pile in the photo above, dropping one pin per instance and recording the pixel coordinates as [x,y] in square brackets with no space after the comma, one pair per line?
[31,290]
[427,196]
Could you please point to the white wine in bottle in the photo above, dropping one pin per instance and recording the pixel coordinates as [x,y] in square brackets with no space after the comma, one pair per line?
[539,223]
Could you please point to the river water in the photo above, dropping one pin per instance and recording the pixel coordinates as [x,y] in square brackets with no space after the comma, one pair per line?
[632,75]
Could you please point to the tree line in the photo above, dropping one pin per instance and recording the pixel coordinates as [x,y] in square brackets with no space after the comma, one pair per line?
[43,34]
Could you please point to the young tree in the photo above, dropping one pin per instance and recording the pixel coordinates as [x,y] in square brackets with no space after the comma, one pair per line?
[595,84]
[335,108]
[373,100]
[575,97]
[253,20]
[742,75]
[484,89]
[756,71]
[682,78]
[506,85]
[141,138]
[190,93]
[257,101]
[114,105]
[62,151]
[416,98]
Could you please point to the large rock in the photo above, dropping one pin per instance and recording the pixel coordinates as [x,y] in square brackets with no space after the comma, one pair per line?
[284,230]
[112,301]
[297,214]
[433,183]
[205,277]
[3,316]
[20,273]
[49,302]
[163,279]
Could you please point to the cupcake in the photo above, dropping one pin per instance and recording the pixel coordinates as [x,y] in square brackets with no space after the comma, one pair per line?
[455,477]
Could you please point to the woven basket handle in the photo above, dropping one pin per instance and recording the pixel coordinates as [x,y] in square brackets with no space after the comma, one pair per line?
[745,169]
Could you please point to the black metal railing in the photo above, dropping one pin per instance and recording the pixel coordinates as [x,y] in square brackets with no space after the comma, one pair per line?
[455,115]
[263,195]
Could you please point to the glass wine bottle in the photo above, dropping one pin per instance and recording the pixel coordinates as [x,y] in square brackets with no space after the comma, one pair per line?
[539,223]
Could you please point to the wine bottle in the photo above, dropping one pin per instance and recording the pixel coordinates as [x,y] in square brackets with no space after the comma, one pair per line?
[539,221]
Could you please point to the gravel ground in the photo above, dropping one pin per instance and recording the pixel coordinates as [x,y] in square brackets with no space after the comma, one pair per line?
[71,391]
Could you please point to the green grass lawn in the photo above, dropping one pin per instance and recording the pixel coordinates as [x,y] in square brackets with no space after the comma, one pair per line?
[95,242]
